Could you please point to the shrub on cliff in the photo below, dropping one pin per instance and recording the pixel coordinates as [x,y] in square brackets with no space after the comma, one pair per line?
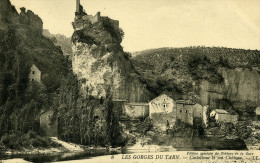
[202,68]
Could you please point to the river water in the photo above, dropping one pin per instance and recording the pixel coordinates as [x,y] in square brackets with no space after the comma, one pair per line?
[177,143]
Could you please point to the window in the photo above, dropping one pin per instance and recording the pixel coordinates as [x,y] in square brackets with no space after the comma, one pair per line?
[180,111]
[186,111]
[33,72]
[32,79]
[164,105]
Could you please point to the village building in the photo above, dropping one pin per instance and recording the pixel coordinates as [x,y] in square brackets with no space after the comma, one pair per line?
[50,127]
[35,74]
[257,113]
[162,111]
[136,110]
[222,116]
[161,104]
[198,111]
[185,111]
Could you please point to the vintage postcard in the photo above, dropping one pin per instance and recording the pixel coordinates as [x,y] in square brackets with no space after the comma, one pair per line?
[129,81]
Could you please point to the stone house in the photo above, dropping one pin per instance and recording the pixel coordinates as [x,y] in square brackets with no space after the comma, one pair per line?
[162,111]
[51,128]
[161,104]
[185,111]
[257,113]
[136,110]
[198,111]
[222,116]
[35,74]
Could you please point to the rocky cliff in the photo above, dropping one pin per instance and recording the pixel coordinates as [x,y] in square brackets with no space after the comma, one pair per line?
[22,45]
[100,62]
[222,77]
[241,87]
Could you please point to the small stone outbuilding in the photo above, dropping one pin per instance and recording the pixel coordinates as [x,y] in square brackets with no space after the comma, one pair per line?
[136,110]
[221,116]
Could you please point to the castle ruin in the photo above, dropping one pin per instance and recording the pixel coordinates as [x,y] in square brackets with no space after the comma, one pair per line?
[81,15]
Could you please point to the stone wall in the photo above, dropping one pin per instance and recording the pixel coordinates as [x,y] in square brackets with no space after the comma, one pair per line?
[92,19]
[205,116]
[136,110]
[159,120]
[226,118]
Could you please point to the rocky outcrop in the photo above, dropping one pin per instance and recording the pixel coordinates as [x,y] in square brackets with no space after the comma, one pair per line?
[8,14]
[100,62]
[30,19]
[241,87]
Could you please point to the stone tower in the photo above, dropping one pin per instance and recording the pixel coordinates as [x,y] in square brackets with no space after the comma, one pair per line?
[77,6]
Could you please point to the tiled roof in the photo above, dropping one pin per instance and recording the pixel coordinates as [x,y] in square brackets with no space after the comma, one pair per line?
[221,111]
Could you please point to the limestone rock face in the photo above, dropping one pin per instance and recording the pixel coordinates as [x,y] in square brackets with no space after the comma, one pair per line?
[241,87]
[242,84]
[101,64]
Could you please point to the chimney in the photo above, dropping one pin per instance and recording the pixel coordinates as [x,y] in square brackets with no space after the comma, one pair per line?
[77,5]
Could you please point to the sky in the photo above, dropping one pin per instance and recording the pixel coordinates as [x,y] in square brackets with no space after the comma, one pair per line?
[162,23]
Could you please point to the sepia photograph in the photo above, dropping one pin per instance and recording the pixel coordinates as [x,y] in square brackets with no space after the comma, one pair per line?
[129,81]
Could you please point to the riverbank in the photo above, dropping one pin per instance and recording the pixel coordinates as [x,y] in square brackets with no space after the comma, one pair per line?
[60,147]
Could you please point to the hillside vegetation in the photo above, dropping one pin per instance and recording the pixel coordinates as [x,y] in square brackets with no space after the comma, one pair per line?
[21,101]
[176,69]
